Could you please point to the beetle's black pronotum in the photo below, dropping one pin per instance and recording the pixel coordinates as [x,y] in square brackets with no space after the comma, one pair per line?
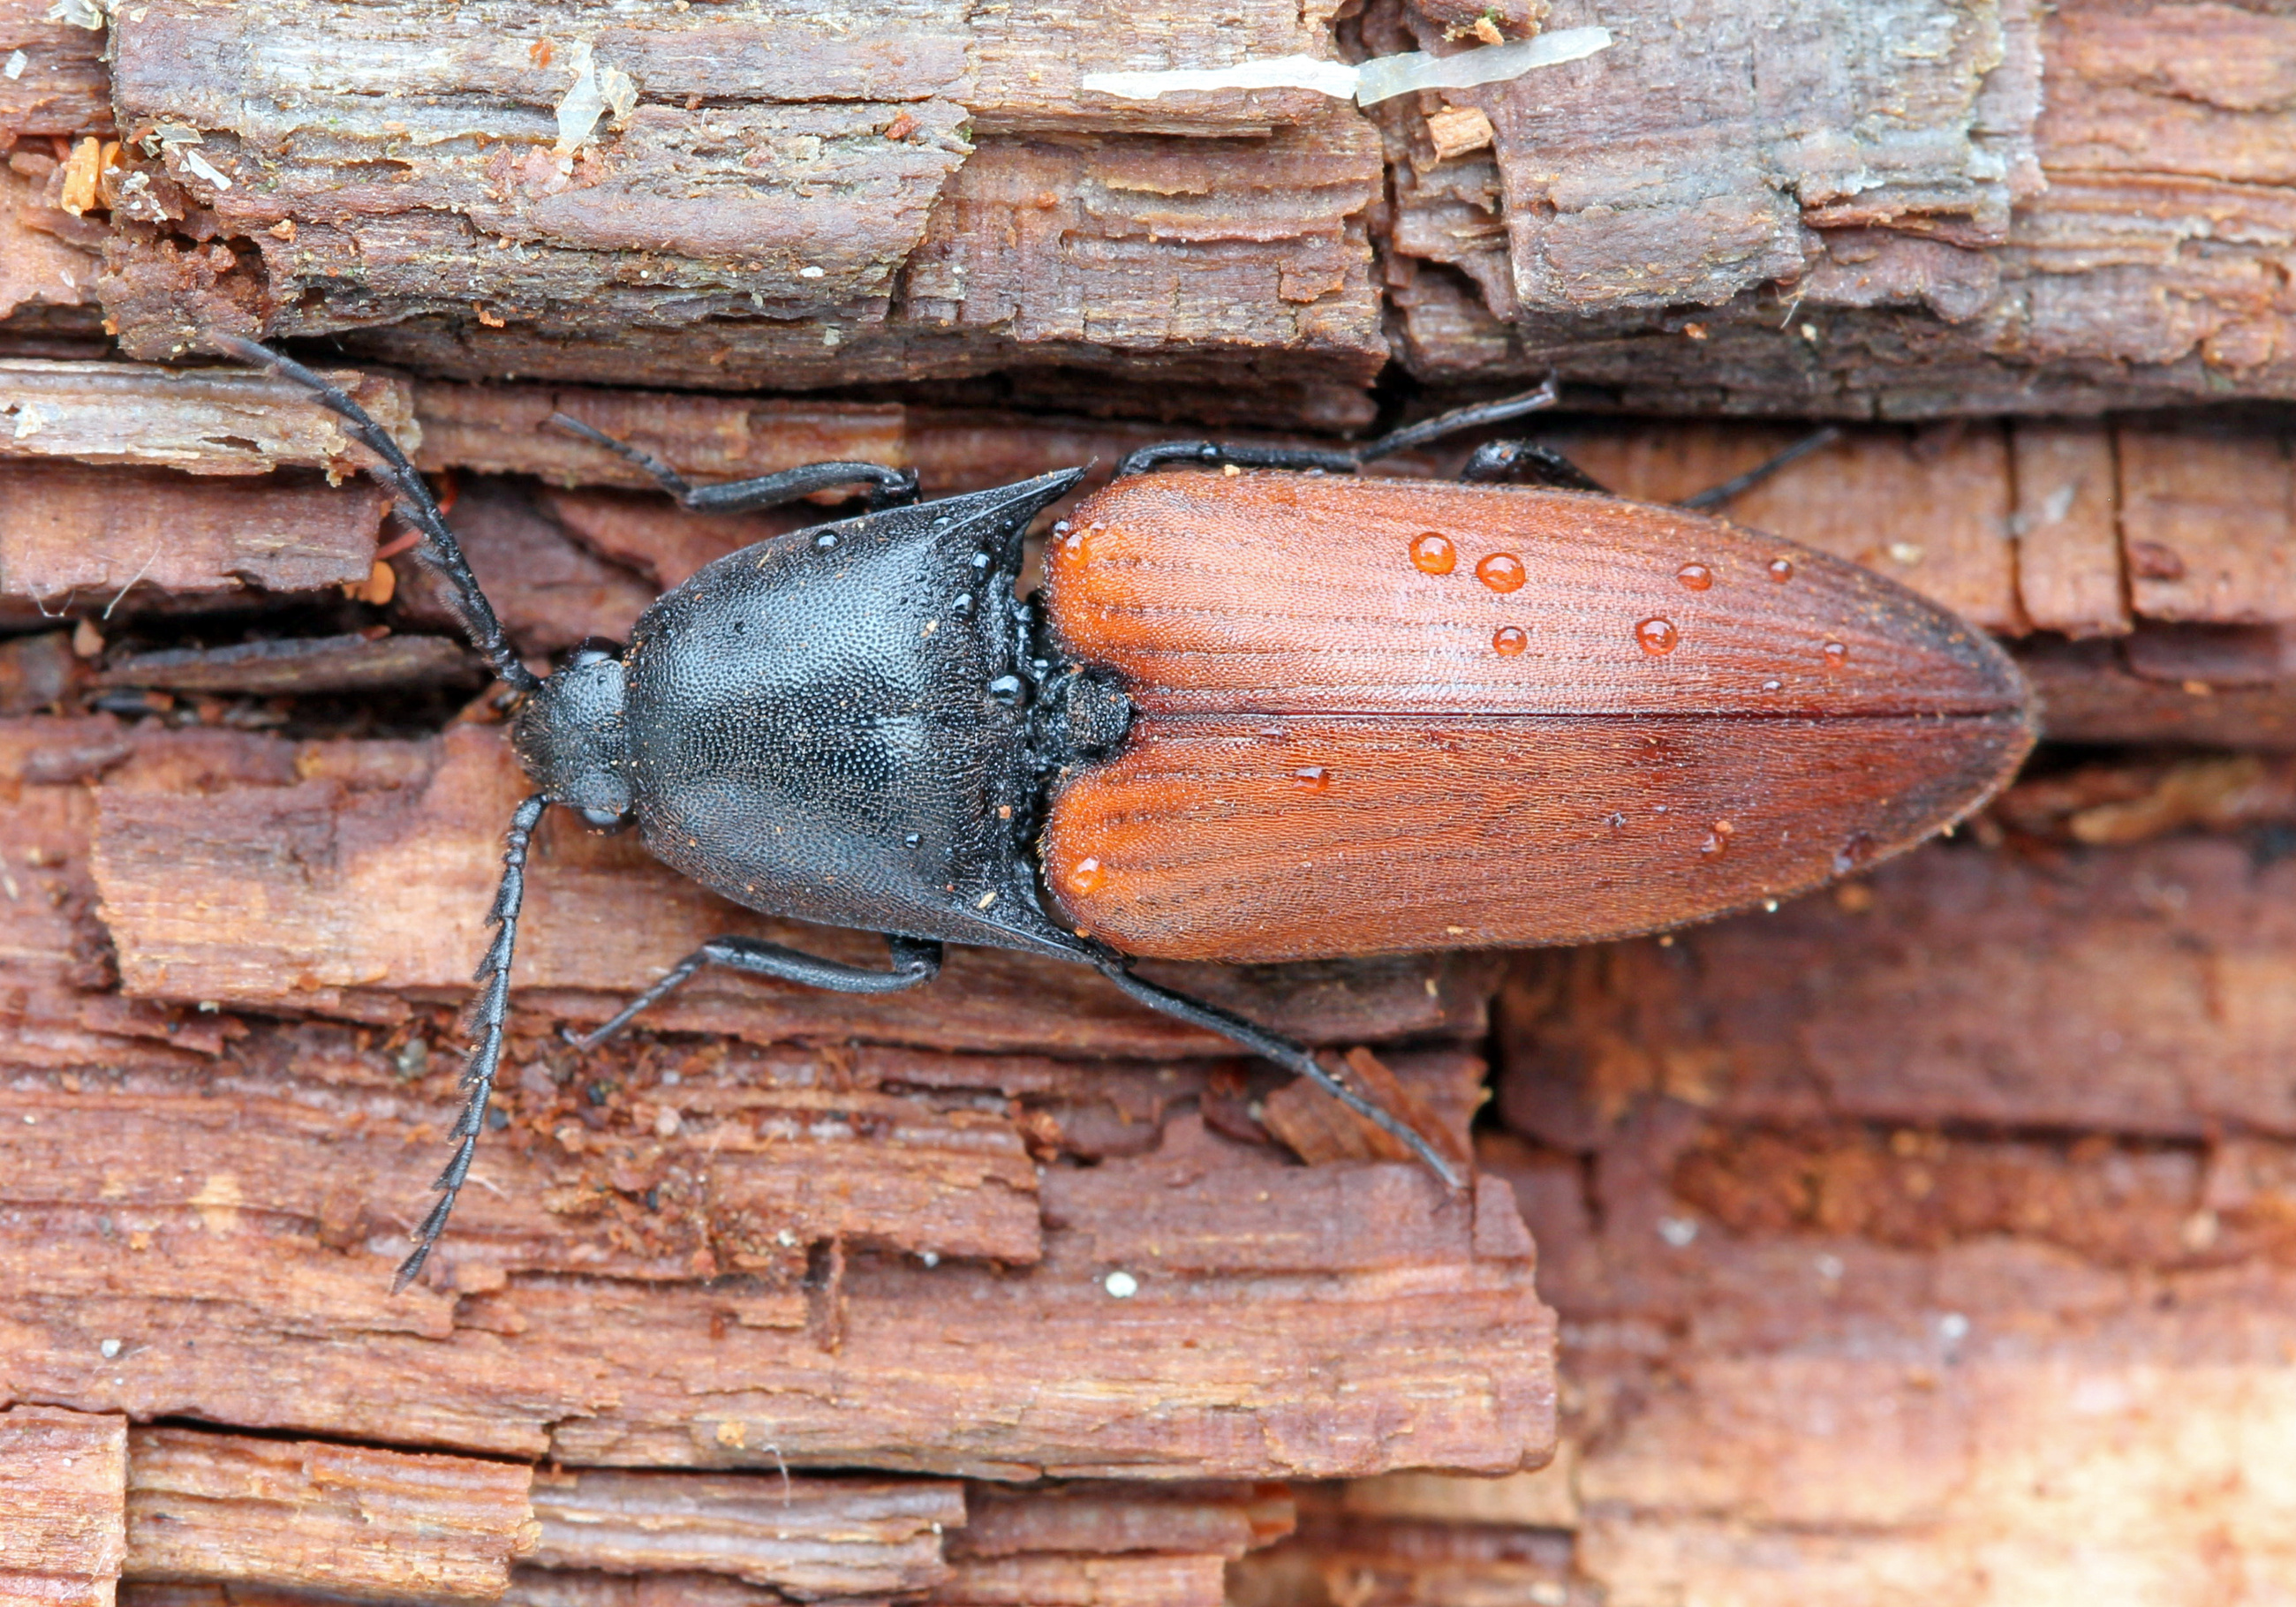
[862,725]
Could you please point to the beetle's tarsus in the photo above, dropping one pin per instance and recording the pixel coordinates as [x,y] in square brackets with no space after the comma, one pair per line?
[916,960]
[1287,1053]
[887,488]
[669,479]
[490,1011]
[439,549]
[1714,496]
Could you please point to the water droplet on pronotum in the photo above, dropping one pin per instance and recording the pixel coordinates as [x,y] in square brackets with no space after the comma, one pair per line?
[1509,641]
[825,540]
[1781,570]
[1656,636]
[1007,690]
[1501,572]
[1312,778]
[1836,655]
[1434,555]
[1696,576]
[1085,875]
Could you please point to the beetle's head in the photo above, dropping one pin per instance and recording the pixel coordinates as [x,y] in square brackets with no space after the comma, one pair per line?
[572,741]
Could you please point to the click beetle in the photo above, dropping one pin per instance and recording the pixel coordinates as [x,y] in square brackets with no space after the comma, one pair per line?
[1275,712]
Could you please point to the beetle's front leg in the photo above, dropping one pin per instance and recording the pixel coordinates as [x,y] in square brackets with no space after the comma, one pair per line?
[915,961]
[887,487]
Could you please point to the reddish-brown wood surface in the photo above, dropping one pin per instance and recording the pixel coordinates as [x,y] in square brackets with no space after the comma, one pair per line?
[61,1474]
[346,1520]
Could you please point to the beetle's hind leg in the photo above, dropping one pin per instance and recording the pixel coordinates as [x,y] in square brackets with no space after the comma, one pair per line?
[915,961]
[887,488]
[1287,1053]
[489,1011]
[1714,496]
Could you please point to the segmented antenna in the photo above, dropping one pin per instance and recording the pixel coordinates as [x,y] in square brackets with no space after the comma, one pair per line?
[489,1010]
[439,549]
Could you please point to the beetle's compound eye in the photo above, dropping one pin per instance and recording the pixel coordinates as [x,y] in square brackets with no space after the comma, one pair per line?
[591,650]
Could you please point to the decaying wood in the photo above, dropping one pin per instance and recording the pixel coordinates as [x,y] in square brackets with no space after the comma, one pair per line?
[2130,801]
[346,1520]
[1287,1321]
[201,421]
[2028,212]
[1954,985]
[2076,209]
[876,243]
[61,90]
[630,1281]
[1349,1549]
[37,269]
[61,1474]
[1833,1362]
[2239,692]
[615,1538]
[72,533]
[810,1537]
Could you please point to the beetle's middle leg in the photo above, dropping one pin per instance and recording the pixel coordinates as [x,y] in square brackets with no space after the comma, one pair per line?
[915,961]
[887,487]
[1330,460]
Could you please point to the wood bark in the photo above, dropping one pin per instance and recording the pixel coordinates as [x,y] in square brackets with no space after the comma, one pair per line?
[2031,211]
[1952,986]
[2051,211]
[345,1520]
[61,1474]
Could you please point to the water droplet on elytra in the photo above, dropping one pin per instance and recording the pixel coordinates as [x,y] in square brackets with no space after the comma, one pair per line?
[962,605]
[1697,576]
[1434,555]
[1717,840]
[1769,685]
[1836,655]
[1854,850]
[981,561]
[1616,819]
[1781,570]
[1312,778]
[1509,641]
[1084,875]
[824,541]
[1657,636]
[913,840]
[1501,572]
